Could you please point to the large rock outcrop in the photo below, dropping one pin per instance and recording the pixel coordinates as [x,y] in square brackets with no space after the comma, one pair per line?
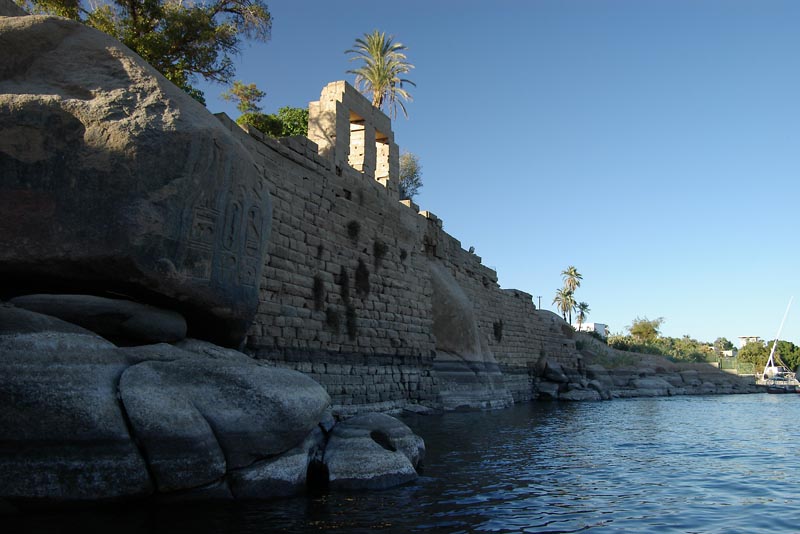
[81,419]
[84,420]
[10,9]
[113,179]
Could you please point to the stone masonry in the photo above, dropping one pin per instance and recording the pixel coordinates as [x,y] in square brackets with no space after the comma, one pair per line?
[346,290]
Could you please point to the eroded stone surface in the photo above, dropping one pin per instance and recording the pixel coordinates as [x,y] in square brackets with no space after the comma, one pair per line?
[198,417]
[24,330]
[111,176]
[372,451]
[122,321]
[62,433]
[469,376]
[10,9]
[281,476]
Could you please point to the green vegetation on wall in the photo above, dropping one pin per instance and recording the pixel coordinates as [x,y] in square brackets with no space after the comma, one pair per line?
[410,176]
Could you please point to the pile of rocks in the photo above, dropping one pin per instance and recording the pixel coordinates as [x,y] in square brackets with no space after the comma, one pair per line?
[84,418]
[596,382]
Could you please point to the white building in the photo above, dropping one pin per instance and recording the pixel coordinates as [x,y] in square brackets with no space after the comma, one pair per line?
[744,340]
[598,328]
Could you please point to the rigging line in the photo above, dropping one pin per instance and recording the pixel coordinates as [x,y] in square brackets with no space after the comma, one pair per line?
[778,335]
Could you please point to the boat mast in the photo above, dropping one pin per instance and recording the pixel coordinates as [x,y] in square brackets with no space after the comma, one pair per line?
[771,361]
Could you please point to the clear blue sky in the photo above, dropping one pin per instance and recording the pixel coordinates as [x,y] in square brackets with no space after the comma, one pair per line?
[655,144]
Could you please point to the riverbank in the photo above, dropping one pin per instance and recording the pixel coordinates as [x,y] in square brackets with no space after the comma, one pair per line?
[601,372]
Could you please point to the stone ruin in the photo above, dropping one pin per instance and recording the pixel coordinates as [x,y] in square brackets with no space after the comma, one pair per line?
[134,222]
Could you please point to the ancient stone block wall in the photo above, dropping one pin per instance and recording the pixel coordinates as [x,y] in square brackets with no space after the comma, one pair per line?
[345,295]
[521,338]
[346,292]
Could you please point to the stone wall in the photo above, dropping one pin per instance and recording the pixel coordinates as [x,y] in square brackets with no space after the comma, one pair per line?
[346,295]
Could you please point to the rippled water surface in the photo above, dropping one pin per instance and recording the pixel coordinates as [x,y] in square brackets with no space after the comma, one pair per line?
[681,464]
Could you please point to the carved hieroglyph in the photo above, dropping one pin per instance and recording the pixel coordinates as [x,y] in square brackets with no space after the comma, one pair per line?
[114,179]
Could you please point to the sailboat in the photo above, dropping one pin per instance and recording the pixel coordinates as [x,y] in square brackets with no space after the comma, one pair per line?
[777,377]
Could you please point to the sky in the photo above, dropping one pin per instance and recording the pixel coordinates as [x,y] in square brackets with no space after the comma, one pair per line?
[652,144]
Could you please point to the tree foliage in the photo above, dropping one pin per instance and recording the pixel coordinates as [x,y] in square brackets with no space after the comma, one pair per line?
[755,352]
[565,297]
[583,310]
[287,122]
[572,278]
[246,97]
[645,330]
[381,75]
[683,348]
[294,121]
[182,40]
[565,302]
[721,344]
[788,352]
[410,176]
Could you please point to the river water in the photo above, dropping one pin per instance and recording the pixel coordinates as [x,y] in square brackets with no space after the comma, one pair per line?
[719,464]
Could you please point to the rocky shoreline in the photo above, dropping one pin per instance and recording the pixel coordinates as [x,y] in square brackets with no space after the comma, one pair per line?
[83,419]
[145,239]
[604,373]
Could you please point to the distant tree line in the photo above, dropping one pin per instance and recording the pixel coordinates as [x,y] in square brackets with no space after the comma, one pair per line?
[757,353]
[644,337]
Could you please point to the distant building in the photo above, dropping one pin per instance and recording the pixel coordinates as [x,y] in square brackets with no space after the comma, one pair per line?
[729,353]
[598,328]
[744,340]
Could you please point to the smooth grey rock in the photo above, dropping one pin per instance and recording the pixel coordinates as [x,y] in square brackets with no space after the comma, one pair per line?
[282,476]
[548,390]
[651,387]
[372,451]
[113,177]
[601,388]
[691,377]
[121,321]
[63,435]
[198,417]
[211,350]
[216,491]
[10,9]
[554,373]
[160,352]
[328,421]
[25,330]
[674,380]
[580,395]
[418,409]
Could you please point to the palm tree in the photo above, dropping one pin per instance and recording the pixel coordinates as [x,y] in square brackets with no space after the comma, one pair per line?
[384,64]
[572,278]
[564,302]
[583,310]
